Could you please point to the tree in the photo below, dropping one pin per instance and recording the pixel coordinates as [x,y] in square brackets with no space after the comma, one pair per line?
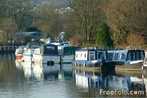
[124,19]
[31,29]
[22,11]
[9,27]
[15,15]
[84,19]
[103,37]
[135,41]
[48,19]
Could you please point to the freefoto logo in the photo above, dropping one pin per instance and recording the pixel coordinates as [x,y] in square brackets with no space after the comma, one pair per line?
[119,92]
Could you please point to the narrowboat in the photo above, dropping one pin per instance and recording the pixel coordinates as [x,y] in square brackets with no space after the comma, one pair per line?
[47,53]
[129,59]
[29,49]
[90,58]
[67,53]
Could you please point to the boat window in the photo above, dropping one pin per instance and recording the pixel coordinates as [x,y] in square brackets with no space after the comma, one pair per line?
[133,58]
[91,56]
[110,56]
[76,55]
[100,55]
[122,56]
[81,55]
[141,55]
[129,56]
[116,56]
[85,55]
[49,49]
[119,56]
[137,55]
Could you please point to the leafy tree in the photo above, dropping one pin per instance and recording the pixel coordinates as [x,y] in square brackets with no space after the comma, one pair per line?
[103,37]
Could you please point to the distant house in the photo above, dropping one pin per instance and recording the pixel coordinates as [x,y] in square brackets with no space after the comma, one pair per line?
[32,35]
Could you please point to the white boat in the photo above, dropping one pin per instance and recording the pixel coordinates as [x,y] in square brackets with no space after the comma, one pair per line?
[29,49]
[47,53]
[19,52]
[67,53]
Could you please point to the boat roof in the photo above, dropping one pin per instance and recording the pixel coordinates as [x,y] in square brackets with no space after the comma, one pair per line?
[49,49]
[124,50]
[61,43]
[86,50]
[33,44]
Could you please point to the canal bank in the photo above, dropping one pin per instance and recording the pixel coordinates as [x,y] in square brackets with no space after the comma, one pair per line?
[8,49]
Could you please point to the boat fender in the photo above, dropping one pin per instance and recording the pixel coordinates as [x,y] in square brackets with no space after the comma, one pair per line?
[59,62]
[50,63]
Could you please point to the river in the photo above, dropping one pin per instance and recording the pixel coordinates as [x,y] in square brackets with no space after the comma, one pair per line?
[30,80]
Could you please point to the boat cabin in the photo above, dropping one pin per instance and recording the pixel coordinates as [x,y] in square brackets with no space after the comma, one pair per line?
[83,55]
[33,45]
[49,49]
[126,57]
[67,50]
[47,53]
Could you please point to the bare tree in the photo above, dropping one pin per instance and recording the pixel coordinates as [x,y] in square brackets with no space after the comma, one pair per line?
[48,19]
[22,11]
[125,16]
[135,41]
[85,19]
[9,27]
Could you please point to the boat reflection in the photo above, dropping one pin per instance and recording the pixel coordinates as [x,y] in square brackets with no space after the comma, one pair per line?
[41,71]
[85,81]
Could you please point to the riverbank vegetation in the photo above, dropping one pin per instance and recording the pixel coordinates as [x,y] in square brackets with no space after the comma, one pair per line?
[81,20]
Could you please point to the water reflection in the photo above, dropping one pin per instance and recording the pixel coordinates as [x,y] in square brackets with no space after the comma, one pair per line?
[43,71]
[85,81]
[6,62]
[32,80]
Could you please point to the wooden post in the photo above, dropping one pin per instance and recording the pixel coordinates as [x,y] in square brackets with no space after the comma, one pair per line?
[123,69]
[122,66]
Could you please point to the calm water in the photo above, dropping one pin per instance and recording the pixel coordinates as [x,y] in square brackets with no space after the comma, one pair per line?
[26,80]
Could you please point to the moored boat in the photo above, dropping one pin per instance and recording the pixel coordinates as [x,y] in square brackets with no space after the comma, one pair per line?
[29,50]
[19,52]
[89,58]
[67,53]
[126,59]
[47,53]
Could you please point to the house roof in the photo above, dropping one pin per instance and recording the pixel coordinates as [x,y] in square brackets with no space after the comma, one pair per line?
[34,34]
[25,33]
